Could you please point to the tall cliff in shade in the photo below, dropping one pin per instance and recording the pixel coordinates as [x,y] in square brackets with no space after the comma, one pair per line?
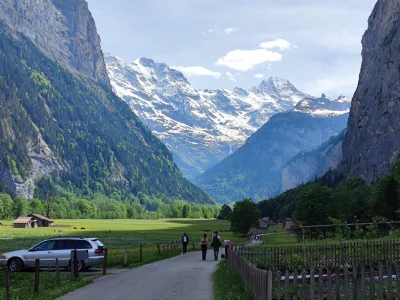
[64,30]
[308,164]
[372,141]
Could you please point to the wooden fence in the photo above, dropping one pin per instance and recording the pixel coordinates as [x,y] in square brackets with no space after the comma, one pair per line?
[332,255]
[363,282]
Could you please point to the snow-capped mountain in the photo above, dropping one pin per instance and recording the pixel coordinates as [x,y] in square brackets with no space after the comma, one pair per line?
[200,127]
[324,106]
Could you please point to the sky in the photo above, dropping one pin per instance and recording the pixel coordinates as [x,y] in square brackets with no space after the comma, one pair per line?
[316,44]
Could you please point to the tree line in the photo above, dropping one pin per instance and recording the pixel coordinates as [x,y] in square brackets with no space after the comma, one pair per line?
[68,206]
[333,200]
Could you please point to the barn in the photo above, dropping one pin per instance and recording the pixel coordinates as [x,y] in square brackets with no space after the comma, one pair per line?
[25,222]
[42,221]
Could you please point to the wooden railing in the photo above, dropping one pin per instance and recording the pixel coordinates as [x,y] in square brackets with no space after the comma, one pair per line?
[332,255]
[348,279]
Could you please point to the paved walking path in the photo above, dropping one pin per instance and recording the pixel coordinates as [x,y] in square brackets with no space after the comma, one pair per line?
[179,278]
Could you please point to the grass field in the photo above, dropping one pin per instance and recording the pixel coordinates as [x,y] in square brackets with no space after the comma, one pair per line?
[115,234]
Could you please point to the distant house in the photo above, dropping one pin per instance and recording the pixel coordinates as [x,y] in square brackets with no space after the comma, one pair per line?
[263,227]
[42,221]
[288,227]
[25,222]
[271,222]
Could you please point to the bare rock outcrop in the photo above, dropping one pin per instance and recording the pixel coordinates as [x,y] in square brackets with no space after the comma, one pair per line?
[372,142]
[63,30]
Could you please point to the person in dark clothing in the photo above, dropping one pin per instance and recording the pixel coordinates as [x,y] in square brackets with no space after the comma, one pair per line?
[185,242]
[216,244]
[203,243]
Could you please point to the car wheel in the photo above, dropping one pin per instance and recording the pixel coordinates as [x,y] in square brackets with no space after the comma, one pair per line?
[15,264]
[81,265]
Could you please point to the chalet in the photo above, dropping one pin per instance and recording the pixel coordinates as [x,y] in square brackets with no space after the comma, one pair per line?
[42,221]
[263,227]
[25,222]
[288,227]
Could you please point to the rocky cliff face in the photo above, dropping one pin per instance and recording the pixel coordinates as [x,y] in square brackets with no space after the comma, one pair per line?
[308,164]
[372,141]
[63,30]
[199,127]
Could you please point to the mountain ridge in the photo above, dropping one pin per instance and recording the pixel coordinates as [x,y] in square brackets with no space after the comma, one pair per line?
[255,169]
[200,127]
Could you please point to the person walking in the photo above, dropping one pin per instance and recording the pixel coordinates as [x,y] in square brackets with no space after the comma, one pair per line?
[203,243]
[185,242]
[216,244]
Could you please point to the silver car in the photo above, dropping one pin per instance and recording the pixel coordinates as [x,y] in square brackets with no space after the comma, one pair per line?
[47,252]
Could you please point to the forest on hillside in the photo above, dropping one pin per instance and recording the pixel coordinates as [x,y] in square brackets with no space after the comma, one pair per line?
[101,146]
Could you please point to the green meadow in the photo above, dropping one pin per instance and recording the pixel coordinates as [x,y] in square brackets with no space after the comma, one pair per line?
[115,234]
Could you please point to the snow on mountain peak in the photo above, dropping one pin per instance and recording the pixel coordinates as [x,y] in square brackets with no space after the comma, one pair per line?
[324,106]
[200,127]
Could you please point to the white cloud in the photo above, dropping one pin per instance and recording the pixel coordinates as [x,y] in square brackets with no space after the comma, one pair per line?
[244,60]
[278,43]
[213,30]
[230,76]
[230,30]
[259,76]
[197,71]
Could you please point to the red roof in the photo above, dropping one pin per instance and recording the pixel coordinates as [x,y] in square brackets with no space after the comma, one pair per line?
[42,217]
[288,225]
[22,220]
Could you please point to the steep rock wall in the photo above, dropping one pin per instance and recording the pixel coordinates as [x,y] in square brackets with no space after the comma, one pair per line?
[373,137]
[63,30]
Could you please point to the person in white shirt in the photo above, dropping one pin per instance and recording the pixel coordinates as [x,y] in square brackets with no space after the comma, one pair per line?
[185,242]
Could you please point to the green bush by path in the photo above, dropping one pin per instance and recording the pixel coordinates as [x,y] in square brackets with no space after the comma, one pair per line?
[228,285]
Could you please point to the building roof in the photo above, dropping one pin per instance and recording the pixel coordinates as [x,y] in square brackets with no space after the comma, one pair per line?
[288,225]
[23,220]
[41,217]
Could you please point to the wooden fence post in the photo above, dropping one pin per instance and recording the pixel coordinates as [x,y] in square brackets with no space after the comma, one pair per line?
[141,252]
[58,279]
[74,265]
[126,257]
[7,283]
[269,284]
[158,247]
[37,276]
[105,261]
